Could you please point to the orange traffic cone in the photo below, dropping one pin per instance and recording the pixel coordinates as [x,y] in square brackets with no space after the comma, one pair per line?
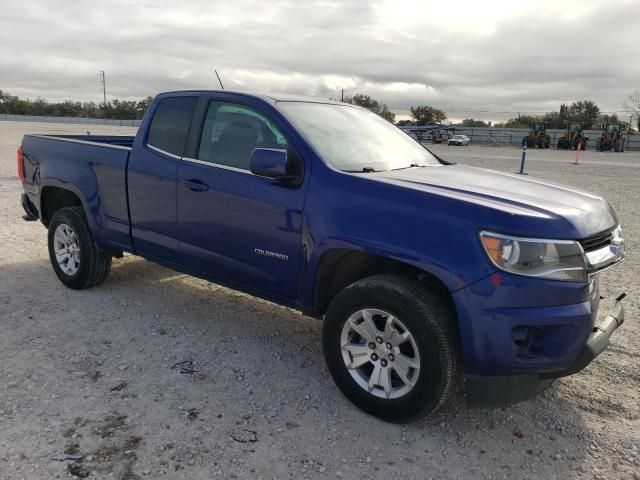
[577,162]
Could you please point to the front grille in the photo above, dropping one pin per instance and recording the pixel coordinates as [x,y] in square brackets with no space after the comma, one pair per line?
[597,241]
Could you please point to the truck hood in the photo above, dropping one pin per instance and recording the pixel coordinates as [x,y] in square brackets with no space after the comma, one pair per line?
[511,193]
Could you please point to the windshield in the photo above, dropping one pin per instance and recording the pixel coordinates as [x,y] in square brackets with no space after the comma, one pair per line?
[354,139]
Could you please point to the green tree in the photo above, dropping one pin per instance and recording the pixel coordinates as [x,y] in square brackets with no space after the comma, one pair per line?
[605,119]
[4,98]
[584,111]
[142,105]
[40,107]
[521,122]
[554,119]
[67,109]
[89,110]
[123,109]
[117,109]
[424,114]
[470,122]
[379,108]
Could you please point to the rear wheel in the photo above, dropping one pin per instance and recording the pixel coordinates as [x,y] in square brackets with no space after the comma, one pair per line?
[391,347]
[77,260]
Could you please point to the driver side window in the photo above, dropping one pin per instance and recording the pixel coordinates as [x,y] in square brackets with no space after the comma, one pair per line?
[231,132]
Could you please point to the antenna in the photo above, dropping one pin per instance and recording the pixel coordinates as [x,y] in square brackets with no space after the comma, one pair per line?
[222,86]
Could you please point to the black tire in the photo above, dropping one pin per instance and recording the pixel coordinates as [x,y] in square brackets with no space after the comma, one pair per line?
[95,262]
[430,323]
[618,146]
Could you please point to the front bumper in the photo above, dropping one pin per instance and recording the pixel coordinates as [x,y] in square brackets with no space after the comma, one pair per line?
[495,391]
[596,343]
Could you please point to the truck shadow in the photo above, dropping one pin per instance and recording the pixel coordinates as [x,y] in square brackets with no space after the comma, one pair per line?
[257,364]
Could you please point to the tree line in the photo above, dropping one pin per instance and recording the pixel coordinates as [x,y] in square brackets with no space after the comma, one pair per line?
[584,111]
[114,109]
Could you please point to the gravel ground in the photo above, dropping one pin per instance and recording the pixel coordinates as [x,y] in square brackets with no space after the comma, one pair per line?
[158,375]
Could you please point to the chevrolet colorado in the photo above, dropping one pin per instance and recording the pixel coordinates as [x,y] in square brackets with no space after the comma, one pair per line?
[423,271]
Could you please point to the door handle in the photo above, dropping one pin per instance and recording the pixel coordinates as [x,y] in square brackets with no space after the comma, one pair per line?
[196,185]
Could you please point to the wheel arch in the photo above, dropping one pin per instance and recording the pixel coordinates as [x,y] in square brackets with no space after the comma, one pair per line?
[54,197]
[340,267]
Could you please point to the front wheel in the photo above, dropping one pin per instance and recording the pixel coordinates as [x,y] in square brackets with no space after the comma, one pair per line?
[391,347]
[76,259]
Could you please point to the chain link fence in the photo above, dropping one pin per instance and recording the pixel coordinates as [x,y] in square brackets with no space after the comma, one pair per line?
[512,137]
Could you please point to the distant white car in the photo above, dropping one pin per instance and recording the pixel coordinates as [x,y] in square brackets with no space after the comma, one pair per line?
[461,140]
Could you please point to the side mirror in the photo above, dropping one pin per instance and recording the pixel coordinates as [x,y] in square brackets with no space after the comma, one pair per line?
[270,163]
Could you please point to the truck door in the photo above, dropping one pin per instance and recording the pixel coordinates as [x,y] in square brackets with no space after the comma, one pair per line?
[235,225]
[152,173]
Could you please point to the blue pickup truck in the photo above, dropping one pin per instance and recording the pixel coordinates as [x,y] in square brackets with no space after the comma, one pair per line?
[424,272]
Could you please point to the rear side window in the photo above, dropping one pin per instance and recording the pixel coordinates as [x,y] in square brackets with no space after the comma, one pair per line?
[170,124]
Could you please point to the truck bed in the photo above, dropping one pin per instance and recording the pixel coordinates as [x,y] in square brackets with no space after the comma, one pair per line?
[94,168]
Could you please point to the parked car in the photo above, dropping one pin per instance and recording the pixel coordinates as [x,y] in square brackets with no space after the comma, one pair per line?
[460,140]
[422,270]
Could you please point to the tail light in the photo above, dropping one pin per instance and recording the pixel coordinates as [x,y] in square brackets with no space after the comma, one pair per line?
[20,158]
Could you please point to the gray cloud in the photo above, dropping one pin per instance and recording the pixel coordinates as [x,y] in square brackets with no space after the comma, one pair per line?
[521,61]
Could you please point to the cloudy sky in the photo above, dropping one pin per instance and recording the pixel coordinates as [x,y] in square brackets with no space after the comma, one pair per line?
[482,59]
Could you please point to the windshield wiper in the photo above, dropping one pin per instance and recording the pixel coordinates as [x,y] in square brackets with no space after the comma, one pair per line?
[363,170]
[413,165]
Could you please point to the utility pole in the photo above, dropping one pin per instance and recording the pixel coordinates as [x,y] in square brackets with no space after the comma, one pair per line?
[102,79]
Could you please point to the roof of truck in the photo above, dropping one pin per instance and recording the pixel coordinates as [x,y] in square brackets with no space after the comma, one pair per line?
[268,97]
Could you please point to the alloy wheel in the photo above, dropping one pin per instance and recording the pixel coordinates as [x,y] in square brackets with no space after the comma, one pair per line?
[380,353]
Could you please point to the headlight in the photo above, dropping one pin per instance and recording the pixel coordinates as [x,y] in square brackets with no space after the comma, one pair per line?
[552,259]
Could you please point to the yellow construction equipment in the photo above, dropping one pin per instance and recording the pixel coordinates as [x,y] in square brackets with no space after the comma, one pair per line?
[538,136]
[611,138]
[572,137]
